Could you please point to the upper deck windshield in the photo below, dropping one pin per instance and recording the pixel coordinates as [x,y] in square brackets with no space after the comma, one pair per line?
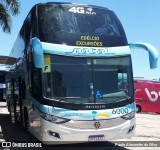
[79,25]
[88,80]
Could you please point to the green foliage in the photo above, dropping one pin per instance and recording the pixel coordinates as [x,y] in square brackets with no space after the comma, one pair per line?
[8,8]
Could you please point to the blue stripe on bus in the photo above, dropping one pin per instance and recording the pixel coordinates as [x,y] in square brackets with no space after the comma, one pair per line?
[66,112]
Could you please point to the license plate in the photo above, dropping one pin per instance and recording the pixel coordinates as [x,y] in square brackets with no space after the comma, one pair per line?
[96,138]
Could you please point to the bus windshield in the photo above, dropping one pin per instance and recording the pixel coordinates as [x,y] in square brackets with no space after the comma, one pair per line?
[88,80]
[79,25]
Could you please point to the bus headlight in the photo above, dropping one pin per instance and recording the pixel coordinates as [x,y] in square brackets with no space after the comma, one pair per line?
[54,119]
[129,115]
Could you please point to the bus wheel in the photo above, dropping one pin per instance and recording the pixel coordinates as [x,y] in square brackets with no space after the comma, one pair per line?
[138,109]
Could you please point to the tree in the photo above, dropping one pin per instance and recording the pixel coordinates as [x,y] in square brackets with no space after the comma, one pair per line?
[8,8]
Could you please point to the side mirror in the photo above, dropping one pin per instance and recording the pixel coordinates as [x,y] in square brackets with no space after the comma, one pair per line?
[153,53]
[38,56]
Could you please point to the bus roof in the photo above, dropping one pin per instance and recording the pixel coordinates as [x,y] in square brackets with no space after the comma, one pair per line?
[144,80]
[72,4]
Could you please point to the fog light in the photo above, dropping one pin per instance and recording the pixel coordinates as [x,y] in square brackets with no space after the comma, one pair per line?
[55,134]
[130,129]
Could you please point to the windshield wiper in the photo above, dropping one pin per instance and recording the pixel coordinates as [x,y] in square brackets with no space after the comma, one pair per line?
[116,95]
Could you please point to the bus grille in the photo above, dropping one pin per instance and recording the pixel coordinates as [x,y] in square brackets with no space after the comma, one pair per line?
[89,124]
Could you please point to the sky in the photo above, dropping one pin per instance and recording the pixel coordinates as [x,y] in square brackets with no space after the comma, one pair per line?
[140,19]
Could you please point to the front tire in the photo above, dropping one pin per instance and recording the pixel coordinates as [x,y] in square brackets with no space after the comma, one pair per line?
[138,109]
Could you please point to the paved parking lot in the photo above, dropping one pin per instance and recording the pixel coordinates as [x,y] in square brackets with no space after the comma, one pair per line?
[148,127]
[147,131]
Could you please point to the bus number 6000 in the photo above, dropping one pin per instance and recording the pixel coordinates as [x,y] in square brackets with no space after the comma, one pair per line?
[120,111]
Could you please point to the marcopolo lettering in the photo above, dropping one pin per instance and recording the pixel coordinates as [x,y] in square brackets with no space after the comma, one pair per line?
[94,106]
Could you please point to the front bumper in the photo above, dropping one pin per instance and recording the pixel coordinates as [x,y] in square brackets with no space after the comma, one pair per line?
[61,134]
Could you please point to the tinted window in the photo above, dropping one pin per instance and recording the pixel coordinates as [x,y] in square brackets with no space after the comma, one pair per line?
[80,26]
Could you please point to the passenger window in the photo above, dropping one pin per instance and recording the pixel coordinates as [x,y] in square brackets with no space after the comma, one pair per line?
[35,83]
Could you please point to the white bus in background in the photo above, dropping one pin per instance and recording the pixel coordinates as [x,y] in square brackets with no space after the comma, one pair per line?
[68,83]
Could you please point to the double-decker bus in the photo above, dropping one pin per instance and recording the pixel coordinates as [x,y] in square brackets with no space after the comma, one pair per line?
[68,80]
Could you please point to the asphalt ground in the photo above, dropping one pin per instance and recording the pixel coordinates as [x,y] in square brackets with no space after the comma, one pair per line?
[147,132]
